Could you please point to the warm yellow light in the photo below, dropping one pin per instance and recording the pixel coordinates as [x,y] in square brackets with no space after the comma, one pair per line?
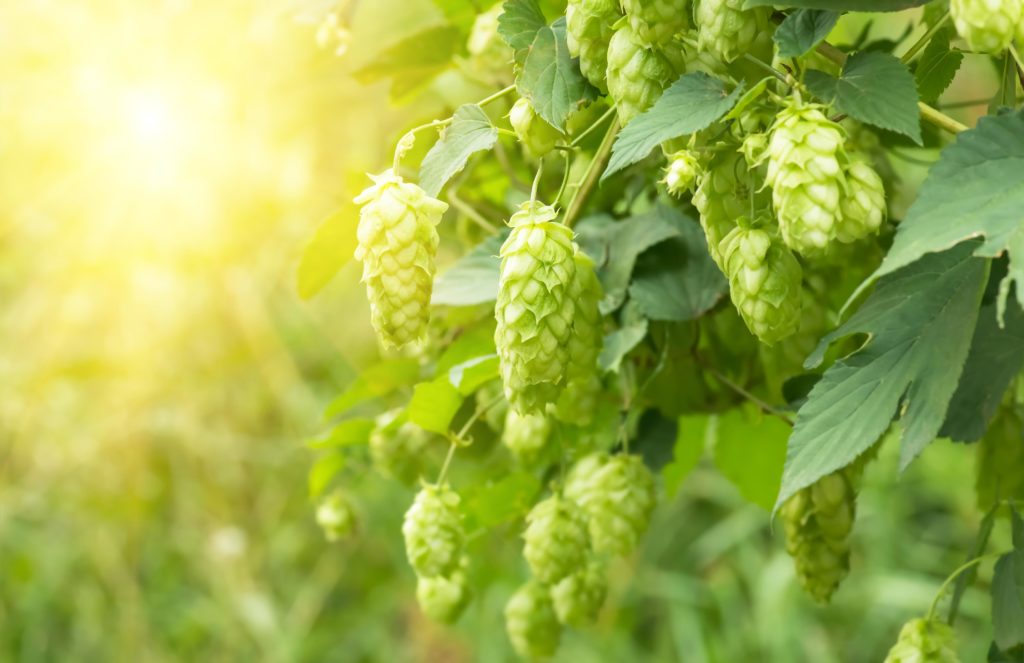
[150,117]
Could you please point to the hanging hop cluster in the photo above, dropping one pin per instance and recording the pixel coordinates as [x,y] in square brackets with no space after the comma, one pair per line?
[335,516]
[398,453]
[656,22]
[526,435]
[489,55]
[588,33]
[721,198]
[531,622]
[617,494]
[924,641]
[681,172]
[578,401]
[578,597]
[538,136]
[397,245]
[433,531]
[444,598]
[863,206]
[727,30]
[556,540]
[988,26]
[637,72]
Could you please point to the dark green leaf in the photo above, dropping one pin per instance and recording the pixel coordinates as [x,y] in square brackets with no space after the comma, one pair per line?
[330,248]
[434,405]
[471,131]
[821,85]
[750,451]
[841,5]
[551,78]
[347,433]
[473,279]
[519,23]
[749,97]
[692,433]
[376,381]
[996,656]
[1008,601]
[803,30]
[619,343]
[937,67]
[878,89]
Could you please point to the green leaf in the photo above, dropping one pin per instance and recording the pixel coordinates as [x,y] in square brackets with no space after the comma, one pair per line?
[821,85]
[504,500]
[461,13]
[975,190]
[677,280]
[330,248]
[470,132]
[690,104]
[351,432]
[803,30]
[472,343]
[473,279]
[840,5]
[551,78]
[324,469]
[996,656]
[619,343]
[434,405]
[414,60]
[692,436]
[1008,600]
[750,451]
[470,375]
[937,67]
[919,323]
[749,97]
[519,23]
[376,381]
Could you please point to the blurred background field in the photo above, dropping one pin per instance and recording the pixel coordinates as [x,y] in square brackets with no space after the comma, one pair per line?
[161,166]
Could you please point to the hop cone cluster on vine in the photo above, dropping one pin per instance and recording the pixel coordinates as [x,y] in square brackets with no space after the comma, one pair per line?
[637,72]
[538,136]
[443,598]
[335,516]
[398,453]
[924,641]
[531,622]
[526,435]
[578,597]
[588,34]
[720,199]
[617,493]
[728,30]
[433,531]
[656,22]
[988,26]
[681,172]
[578,402]
[556,540]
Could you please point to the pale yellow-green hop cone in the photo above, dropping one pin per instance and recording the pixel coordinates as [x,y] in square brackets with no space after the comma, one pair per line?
[988,26]
[818,521]
[398,454]
[617,493]
[681,173]
[556,539]
[531,623]
[533,132]
[727,30]
[533,309]
[526,435]
[588,32]
[578,401]
[637,74]
[764,283]
[721,198]
[335,516]
[397,245]
[490,57]
[442,598]
[923,641]
[805,171]
[655,22]
[578,598]
[433,531]
[863,206]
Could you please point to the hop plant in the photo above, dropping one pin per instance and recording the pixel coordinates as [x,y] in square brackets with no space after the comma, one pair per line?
[398,453]
[818,521]
[578,597]
[764,283]
[531,622]
[578,401]
[556,541]
[538,136]
[924,641]
[727,30]
[805,172]
[489,55]
[655,22]
[721,198]
[588,33]
[492,397]
[617,493]
[397,246]
[433,531]
[1000,469]
[443,599]
[533,310]
[681,172]
[988,26]
[526,435]
[863,206]
[335,516]
[637,73]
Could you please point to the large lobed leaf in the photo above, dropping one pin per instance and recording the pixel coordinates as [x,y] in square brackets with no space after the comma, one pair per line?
[551,78]
[803,30]
[470,132]
[519,22]
[473,279]
[1008,593]
[937,67]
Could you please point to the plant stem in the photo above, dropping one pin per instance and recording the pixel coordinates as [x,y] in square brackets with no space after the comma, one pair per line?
[565,178]
[765,407]
[479,412]
[767,67]
[984,531]
[593,173]
[536,180]
[497,95]
[953,576]
[598,122]
[908,57]
[471,212]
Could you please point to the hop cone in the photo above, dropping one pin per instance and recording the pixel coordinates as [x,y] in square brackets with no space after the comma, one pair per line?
[818,521]
[433,531]
[863,206]
[556,539]
[578,402]
[335,516]
[444,598]
[923,641]
[617,493]
[764,283]
[538,136]
[398,453]
[578,597]
[531,623]
[397,245]
[727,30]
[526,435]
[721,199]
[988,26]
[588,33]
[489,55]
[805,159]
[655,22]
[637,74]
[533,310]
[681,172]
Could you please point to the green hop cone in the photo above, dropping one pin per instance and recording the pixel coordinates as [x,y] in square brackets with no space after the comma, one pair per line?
[398,453]
[863,206]
[444,598]
[578,597]
[538,136]
[588,33]
[764,283]
[924,641]
[335,516]
[988,26]
[818,521]
[727,30]
[655,22]
[533,310]
[721,198]
[805,172]
[578,402]
[526,435]
[681,172]
[397,245]
[617,493]
[531,623]
[433,531]
[489,56]
[637,74]
[556,541]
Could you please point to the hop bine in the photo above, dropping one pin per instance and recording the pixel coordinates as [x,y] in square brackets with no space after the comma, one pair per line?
[433,531]
[556,539]
[617,493]
[588,33]
[531,622]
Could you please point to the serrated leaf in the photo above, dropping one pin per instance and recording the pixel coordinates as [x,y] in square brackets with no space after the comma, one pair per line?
[920,322]
[692,433]
[677,280]
[519,23]
[473,279]
[878,89]
[551,78]
[470,375]
[323,471]
[376,381]
[840,5]
[619,343]
[690,104]
[351,432]
[329,249]
[434,405]
[1008,601]
[750,451]
[470,132]
[803,30]
[821,84]
[937,67]
[749,97]
[417,57]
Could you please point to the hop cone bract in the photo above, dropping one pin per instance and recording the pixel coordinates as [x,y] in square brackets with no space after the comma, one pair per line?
[655,22]
[578,597]
[531,622]
[617,493]
[988,26]
[588,33]
[863,206]
[538,136]
[397,245]
[727,30]
[335,516]
[526,435]
[637,74]
[556,541]
[924,641]
[398,453]
[444,598]
[721,198]
[681,172]
[578,401]
[433,531]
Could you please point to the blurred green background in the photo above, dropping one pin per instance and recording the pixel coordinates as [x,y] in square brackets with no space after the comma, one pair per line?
[161,166]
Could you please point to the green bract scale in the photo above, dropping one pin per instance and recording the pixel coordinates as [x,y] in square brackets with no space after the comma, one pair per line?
[398,453]
[578,597]
[681,172]
[764,283]
[433,531]
[655,22]
[588,33]
[335,516]
[988,26]
[805,171]
[863,206]
[556,541]
[924,641]
[727,30]
[526,435]
[578,401]
[538,136]
[397,245]
[531,623]
[721,198]
[533,309]
[444,598]
[637,73]
[617,493]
